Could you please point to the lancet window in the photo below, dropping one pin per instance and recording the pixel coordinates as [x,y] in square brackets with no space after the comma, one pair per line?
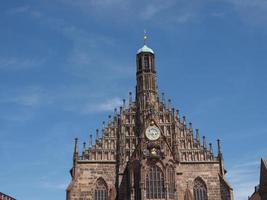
[101,191]
[155,183]
[200,190]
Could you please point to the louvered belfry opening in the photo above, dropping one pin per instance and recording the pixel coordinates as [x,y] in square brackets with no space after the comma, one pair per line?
[200,190]
[101,191]
[155,183]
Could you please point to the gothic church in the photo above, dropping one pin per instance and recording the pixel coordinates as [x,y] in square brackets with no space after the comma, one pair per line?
[146,151]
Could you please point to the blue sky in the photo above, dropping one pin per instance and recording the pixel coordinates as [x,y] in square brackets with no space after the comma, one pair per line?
[65,65]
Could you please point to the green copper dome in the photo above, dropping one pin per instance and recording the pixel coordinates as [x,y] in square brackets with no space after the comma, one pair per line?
[145,49]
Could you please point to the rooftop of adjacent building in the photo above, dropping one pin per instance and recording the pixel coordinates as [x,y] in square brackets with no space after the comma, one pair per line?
[5,196]
[264,161]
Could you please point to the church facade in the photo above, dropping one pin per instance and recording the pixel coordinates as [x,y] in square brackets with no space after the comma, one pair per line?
[147,151]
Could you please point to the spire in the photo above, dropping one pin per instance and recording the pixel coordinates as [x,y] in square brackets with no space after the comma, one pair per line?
[219,148]
[204,142]
[197,135]
[220,158]
[190,126]
[130,98]
[169,104]
[163,98]
[76,150]
[211,149]
[84,147]
[90,140]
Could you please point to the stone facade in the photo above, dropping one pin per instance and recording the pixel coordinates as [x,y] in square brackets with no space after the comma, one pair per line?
[147,151]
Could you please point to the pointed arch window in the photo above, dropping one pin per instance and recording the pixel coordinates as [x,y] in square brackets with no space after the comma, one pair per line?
[101,191]
[200,190]
[155,183]
[171,179]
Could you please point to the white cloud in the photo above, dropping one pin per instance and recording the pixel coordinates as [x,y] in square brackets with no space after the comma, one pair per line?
[15,63]
[106,106]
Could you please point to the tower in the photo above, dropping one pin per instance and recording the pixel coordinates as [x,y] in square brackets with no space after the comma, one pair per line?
[146,151]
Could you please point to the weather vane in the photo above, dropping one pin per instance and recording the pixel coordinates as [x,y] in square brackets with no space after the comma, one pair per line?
[145,37]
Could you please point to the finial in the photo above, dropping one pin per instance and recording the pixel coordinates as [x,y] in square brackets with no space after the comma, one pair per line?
[169,104]
[91,140]
[197,135]
[76,145]
[177,113]
[204,142]
[76,150]
[184,120]
[84,146]
[190,126]
[162,98]
[211,149]
[109,120]
[219,147]
[145,37]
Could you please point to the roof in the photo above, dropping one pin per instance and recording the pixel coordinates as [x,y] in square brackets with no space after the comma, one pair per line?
[145,48]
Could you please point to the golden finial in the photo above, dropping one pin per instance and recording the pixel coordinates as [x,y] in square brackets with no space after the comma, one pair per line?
[145,37]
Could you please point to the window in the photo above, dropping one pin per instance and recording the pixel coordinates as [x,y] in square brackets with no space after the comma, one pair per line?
[146,62]
[171,178]
[200,190]
[155,183]
[140,64]
[101,191]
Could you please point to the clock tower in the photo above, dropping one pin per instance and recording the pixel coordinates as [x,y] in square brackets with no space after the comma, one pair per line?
[146,151]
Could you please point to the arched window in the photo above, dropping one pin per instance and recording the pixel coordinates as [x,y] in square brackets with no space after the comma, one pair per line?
[146,62]
[140,64]
[101,190]
[171,179]
[200,190]
[155,183]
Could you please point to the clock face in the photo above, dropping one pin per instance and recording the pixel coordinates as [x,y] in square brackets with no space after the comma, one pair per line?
[152,133]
